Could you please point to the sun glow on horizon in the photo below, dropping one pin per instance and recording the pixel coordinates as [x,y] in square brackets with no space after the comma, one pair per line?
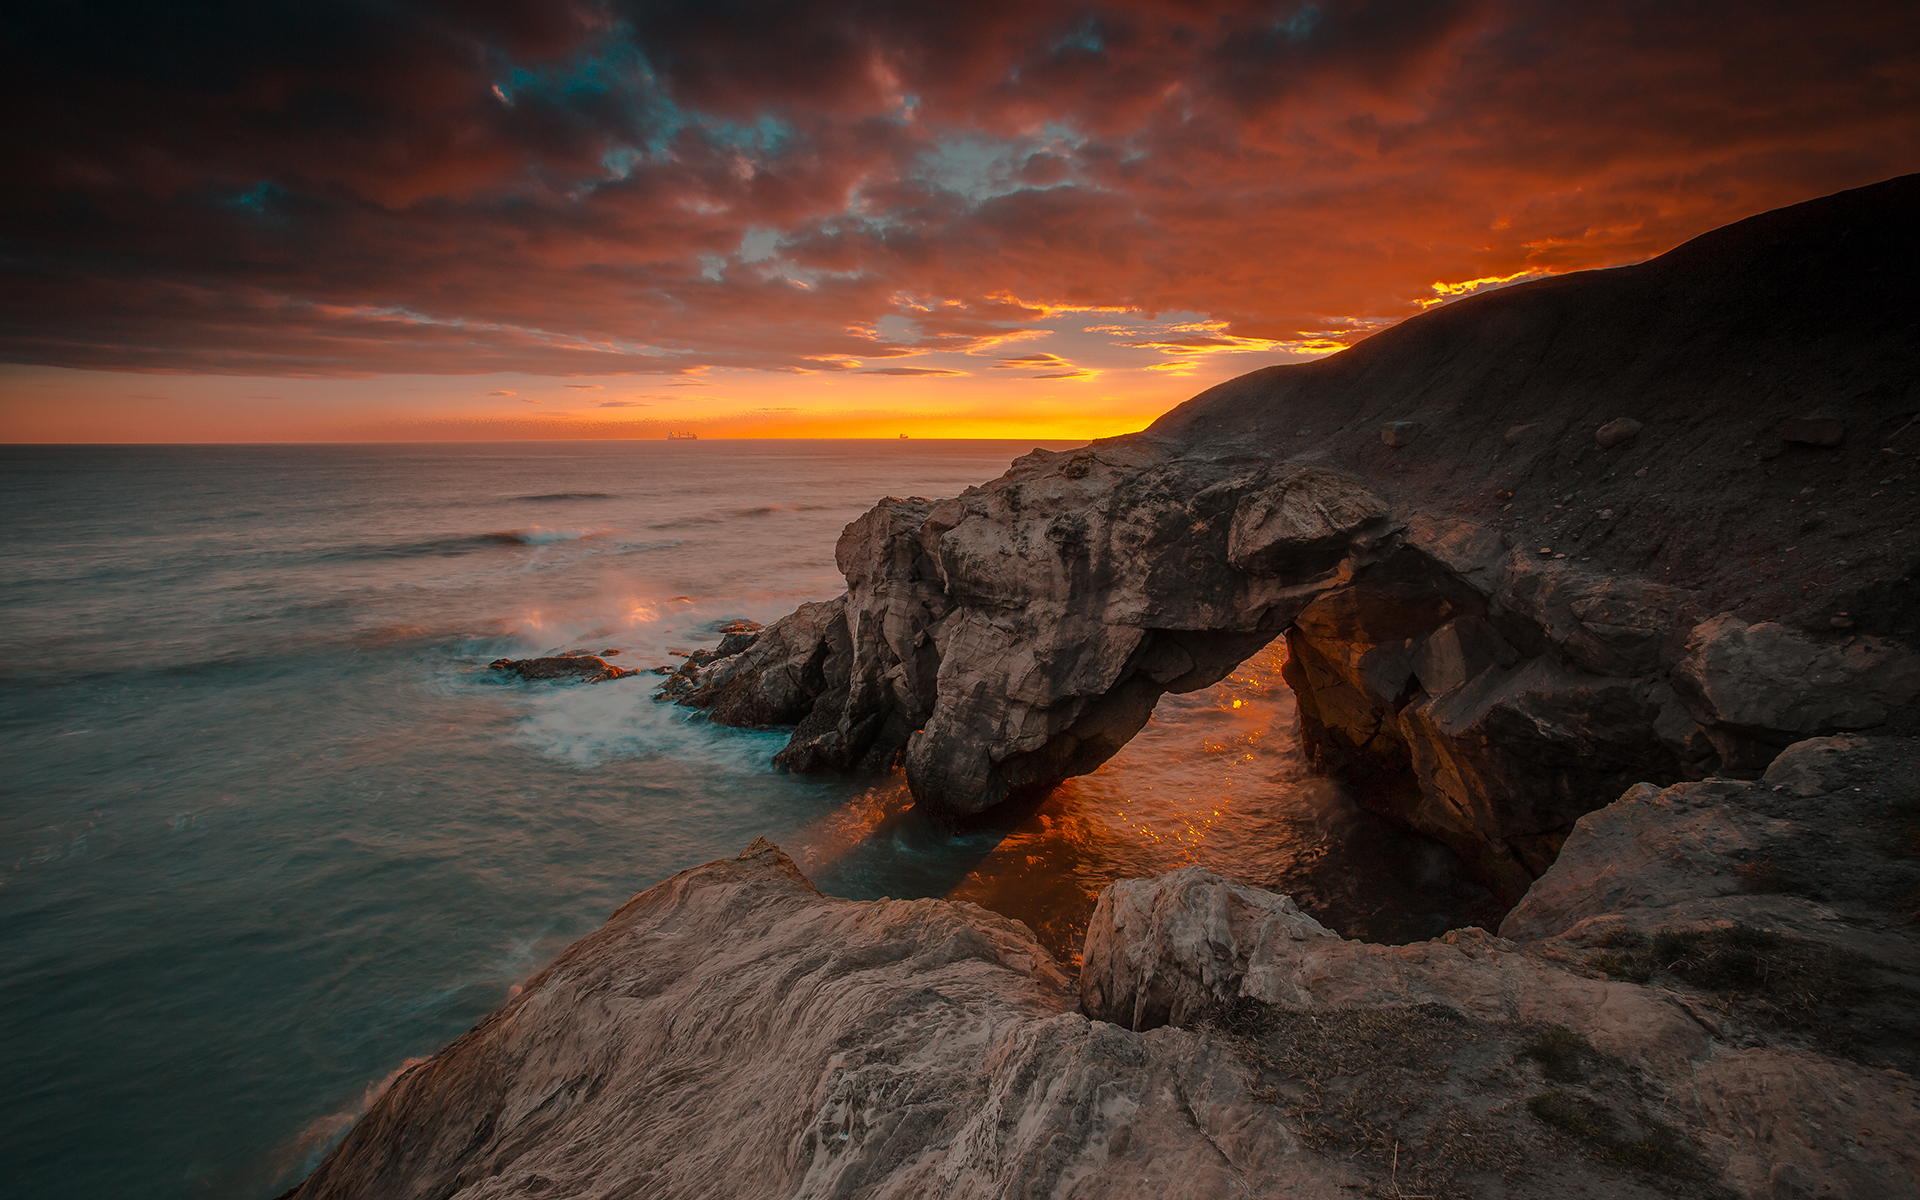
[1076,374]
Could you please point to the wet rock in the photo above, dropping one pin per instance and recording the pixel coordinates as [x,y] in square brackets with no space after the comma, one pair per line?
[736,636]
[1401,433]
[777,677]
[1620,429]
[578,666]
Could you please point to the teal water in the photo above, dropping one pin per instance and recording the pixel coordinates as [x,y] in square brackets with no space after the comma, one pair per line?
[269,828]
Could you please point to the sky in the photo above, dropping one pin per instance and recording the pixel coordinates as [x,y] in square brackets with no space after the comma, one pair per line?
[409,219]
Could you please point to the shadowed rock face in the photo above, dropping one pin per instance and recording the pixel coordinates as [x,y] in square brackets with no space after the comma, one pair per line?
[1496,621]
[731,1032]
[1785,1088]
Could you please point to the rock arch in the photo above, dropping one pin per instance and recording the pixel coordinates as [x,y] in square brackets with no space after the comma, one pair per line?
[1017,635]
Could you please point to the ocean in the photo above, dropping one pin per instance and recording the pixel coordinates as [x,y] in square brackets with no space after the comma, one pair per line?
[270,829]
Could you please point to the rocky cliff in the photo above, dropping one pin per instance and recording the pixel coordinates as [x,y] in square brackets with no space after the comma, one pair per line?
[1661,1018]
[1648,523]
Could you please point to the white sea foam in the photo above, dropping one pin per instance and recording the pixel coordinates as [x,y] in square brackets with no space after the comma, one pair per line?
[589,724]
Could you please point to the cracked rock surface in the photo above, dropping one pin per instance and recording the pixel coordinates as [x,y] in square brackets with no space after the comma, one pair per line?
[732,1032]
[1494,627]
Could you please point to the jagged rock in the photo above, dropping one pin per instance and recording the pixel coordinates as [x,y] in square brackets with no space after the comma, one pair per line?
[733,1033]
[1620,429]
[1815,837]
[577,665]
[1482,688]
[776,678]
[1772,1104]
[1757,688]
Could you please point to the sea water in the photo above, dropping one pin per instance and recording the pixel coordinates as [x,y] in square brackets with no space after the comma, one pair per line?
[270,829]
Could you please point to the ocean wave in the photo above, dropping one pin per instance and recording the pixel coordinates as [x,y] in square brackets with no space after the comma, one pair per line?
[767,510]
[540,535]
[569,496]
[586,727]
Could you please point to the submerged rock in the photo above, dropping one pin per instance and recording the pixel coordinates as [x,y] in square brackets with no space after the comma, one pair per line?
[577,665]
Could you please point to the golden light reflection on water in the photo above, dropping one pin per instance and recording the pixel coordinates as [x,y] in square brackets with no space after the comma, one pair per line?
[1216,779]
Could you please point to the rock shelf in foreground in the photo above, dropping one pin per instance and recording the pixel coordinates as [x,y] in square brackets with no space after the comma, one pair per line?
[732,1032]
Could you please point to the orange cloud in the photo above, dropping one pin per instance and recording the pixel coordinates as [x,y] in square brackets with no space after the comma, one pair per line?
[596,191]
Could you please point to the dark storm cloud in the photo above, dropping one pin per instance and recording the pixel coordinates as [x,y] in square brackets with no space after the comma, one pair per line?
[595,188]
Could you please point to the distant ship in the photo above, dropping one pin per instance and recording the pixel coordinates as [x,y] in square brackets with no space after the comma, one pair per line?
[682,437]
[903,437]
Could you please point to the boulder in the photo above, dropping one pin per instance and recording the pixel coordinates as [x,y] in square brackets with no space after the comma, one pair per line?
[1804,1083]
[731,1032]
[1620,429]
[1756,688]
[1401,433]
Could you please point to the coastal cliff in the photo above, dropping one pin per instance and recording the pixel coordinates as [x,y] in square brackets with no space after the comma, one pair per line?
[1659,1018]
[1644,524]
[1597,579]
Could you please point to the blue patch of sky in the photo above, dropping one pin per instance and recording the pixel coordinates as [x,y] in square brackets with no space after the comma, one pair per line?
[1300,25]
[614,82]
[257,198]
[983,168]
[1085,36]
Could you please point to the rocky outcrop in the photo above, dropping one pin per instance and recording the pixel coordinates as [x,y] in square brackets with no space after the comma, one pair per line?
[579,668]
[1745,950]
[1601,546]
[731,1032]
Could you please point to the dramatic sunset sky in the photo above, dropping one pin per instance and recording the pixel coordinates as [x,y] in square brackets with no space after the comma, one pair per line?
[371,219]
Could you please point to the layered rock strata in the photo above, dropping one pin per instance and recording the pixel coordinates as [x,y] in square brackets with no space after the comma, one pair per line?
[1497,618]
[1788,1060]
[732,1032]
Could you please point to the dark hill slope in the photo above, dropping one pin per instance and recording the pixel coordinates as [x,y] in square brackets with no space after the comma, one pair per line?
[1494,625]
[1813,309]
